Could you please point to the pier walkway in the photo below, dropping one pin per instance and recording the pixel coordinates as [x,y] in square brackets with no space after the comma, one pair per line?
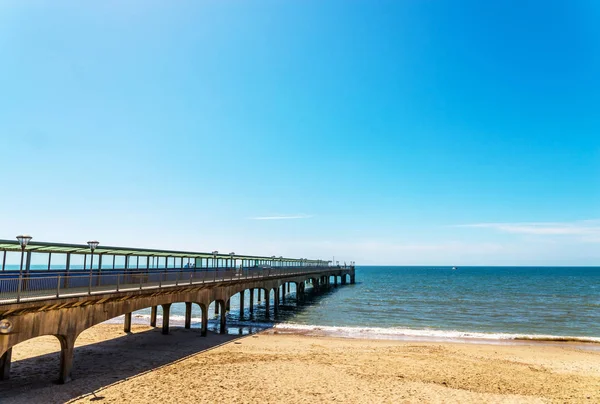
[65,299]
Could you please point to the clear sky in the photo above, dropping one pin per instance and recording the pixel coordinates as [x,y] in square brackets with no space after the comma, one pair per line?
[386,132]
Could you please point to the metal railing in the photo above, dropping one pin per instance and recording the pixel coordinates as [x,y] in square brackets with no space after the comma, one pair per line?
[19,289]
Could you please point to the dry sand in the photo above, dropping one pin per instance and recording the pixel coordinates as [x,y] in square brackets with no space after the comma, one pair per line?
[183,367]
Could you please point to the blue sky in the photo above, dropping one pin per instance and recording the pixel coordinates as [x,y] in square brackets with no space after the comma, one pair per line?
[400,132]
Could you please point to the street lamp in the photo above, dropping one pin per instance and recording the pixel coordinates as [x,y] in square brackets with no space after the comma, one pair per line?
[23,240]
[214,253]
[93,244]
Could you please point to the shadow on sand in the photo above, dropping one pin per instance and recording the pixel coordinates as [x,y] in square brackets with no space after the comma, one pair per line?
[100,364]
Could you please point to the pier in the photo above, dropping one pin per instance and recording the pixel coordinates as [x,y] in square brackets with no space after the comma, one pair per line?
[65,298]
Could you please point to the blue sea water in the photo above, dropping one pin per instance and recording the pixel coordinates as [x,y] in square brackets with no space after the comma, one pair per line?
[479,302]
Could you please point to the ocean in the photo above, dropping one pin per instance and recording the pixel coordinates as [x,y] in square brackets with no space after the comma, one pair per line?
[397,302]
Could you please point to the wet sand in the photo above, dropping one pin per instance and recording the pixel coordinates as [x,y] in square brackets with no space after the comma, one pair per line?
[146,366]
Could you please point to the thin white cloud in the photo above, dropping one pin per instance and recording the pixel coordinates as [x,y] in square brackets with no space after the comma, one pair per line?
[281,217]
[583,228]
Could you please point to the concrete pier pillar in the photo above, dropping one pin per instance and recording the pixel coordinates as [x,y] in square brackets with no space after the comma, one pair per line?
[222,329]
[251,301]
[188,315]
[204,326]
[335,281]
[288,287]
[283,293]
[352,279]
[259,293]
[127,324]
[166,314]
[343,279]
[267,304]
[153,316]
[216,308]
[5,365]
[242,297]
[66,360]
[276,301]
[228,305]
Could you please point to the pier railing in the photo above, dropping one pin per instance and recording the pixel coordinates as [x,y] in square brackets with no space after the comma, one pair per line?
[26,288]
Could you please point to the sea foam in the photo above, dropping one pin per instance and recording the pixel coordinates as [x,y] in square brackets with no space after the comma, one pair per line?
[429,334]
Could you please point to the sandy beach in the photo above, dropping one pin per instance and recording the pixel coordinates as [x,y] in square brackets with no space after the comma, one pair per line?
[146,366]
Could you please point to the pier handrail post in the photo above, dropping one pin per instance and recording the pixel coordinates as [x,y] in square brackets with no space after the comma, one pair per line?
[191,277]
[140,281]
[118,279]
[19,289]
[58,286]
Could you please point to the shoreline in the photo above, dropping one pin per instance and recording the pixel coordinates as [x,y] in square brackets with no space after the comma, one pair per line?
[378,333]
[146,366]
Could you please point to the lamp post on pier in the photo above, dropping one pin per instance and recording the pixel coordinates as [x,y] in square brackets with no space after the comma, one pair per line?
[214,253]
[93,244]
[23,240]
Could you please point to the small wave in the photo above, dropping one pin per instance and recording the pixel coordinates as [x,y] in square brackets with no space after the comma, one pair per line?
[407,333]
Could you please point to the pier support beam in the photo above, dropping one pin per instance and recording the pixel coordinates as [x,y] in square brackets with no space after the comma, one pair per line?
[153,316]
[204,326]
[288,286]
[5,364]
[251,301]
[188,315]
[66,359]
[276,301]
[166,314]
[127,324]
[216,308]
[242,297]
[283,293]
[222,329]
[335,281]
[267,304]
[259,293]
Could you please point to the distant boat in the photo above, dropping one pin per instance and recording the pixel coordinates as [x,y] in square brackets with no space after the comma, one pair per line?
[454,268]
